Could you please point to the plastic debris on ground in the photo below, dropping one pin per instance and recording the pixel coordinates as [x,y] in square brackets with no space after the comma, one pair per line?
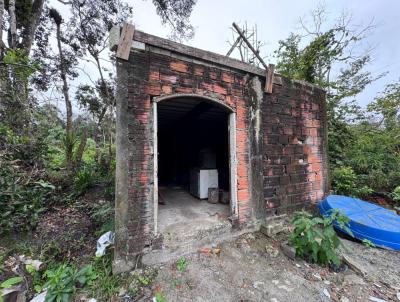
[36,264]
[376,299]
[326,293]
[40,298]
[103,242]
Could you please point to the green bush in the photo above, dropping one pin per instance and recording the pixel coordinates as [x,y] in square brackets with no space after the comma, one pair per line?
[395,195]
[104,285]
[345,182]
[83,180]
[374,157]
[314,238]
[89,155]
[21,199]
[103,214]
[63,281]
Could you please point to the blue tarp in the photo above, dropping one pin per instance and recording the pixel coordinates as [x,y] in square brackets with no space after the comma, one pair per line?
[367,221]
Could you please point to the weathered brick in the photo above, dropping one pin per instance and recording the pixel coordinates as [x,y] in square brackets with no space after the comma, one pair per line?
[227,77]
[243,195]
[179,66]
[166,89]
[199,71]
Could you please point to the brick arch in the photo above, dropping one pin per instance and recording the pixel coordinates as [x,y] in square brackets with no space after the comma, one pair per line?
[215,101]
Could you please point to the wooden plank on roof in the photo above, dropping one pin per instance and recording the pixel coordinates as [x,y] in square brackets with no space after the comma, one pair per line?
[125,41]
[269,78]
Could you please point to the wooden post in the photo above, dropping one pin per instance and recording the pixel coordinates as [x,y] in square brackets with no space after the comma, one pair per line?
[125,41]
[269,78]
[234,45]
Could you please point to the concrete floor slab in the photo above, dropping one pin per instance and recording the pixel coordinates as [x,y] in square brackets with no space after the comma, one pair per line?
[183,213]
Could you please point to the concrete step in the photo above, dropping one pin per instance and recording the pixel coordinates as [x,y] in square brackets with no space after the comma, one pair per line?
[177,240]
[175,247]
[274,225]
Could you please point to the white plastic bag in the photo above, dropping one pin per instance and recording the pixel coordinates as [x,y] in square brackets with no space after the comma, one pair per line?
[105,240]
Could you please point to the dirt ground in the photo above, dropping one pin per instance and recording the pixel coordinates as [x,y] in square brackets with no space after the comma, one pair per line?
[253,268]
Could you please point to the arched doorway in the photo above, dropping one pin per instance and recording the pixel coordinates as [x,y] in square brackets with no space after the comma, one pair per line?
[195,143]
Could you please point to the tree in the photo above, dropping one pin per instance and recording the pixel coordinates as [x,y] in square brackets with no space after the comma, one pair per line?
[332,60]
[23,22]
[176,13]
[91,21]
[387,106]
[69,141]
[14,57]
[30,64]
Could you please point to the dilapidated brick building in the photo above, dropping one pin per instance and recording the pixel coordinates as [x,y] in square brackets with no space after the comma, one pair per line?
[180,108]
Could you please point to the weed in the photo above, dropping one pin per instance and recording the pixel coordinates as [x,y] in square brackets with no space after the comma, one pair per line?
[62,282]
[8,283]
[102,212]
[395,195]
[37,280]
[181,264]
[176,283]
[51,252]
[144,280]
[83,180]
[1,263]
[11,281]
[160,297]
[21,200]
[315,237]
[105,227]
[103,284]
[368,243]
[109,190]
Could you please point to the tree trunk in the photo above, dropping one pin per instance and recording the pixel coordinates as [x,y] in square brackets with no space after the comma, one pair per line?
[69,134]
[28,35]
[1,27]
[13,24]
[81,149]
[106,104]
[2,68]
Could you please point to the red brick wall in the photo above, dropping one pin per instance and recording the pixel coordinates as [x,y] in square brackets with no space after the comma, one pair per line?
[292,131]
[295,165]
[152,75]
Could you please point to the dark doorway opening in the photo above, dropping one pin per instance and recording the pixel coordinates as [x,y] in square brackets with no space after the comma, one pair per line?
[193,139]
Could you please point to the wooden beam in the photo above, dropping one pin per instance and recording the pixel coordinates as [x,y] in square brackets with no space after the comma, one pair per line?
[249,44]
[125,41]
[234,45]
[269,78]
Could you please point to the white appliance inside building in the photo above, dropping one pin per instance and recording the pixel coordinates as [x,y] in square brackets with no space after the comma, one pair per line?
[201,180]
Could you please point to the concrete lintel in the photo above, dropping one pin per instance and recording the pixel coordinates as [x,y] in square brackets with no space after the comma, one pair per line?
[138,45]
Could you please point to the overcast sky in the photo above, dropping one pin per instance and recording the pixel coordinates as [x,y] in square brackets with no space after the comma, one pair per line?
[275,20]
